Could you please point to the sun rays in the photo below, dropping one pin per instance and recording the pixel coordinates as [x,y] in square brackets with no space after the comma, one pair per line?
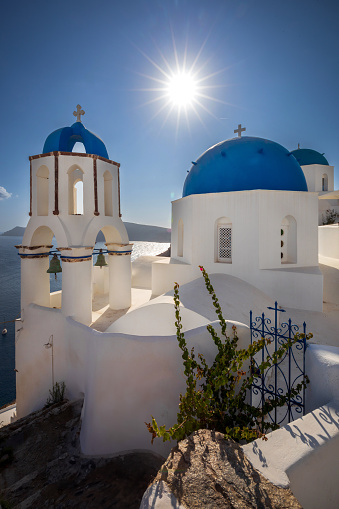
[182,87]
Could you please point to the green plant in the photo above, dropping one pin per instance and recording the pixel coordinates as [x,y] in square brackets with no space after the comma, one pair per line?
[56,395]
[330,217]
[216,395]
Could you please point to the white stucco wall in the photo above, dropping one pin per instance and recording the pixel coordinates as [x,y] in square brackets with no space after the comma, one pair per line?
[256,218]
[329,241]
[314,173]
[322,364]
[7,415]
[125,378]
[156,320]
[303,456]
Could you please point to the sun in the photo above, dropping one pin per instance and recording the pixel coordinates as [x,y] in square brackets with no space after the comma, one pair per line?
[182,89]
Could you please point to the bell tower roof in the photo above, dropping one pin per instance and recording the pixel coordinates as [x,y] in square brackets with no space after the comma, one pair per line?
[64,139]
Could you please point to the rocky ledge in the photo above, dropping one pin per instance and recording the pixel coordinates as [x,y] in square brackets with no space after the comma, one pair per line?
[207,471]
[41,466]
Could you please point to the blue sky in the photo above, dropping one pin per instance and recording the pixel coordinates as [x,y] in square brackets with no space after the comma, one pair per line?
[271,65]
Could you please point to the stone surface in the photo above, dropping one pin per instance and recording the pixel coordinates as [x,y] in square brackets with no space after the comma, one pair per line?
[41,466]
[206,471]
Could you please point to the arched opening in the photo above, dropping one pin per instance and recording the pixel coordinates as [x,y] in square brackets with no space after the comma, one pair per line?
[75,191]
[79,148]
[79,197]
[324,182]
[42,177]
[180,250]
[108,193]
[106,278]
[223,240]
[288,240]
[45,286]
[42,236]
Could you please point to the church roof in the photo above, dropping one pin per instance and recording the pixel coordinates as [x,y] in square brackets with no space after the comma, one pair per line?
[244,163]
[64,139]
[306,156]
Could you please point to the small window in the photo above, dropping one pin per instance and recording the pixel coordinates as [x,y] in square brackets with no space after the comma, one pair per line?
[79,198]
[224,243]
[324,182]
[288,240]
[75,191]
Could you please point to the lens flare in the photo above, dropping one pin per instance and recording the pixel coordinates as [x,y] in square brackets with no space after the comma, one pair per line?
[181,88]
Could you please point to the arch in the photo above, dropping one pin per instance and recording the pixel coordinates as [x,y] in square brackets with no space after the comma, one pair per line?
[288,240]
[111,234]
[42,287]
[115,233]
[223,240]
[42,236]
[108,193]
[324,182]
[180,247]
[42,196]
[79,147]
[75,196]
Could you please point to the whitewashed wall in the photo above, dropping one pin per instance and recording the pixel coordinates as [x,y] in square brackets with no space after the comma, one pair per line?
[125,379]
[314,173]
[256,218]
[322,364]
[329,241]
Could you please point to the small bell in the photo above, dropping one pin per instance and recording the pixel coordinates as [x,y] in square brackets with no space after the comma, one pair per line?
[101,262]
[54,266]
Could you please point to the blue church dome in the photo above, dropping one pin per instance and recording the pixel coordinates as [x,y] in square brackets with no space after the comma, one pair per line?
[64,139]
[245,163]
[306,156]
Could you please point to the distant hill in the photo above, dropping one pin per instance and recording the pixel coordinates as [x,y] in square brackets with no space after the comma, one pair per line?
[144,232]
[17,231]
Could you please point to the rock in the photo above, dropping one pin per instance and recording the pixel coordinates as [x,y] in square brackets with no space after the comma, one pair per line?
[45,467]
[207,471]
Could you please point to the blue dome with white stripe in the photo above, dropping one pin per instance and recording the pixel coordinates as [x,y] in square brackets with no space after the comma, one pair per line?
[64,139]
[242,164]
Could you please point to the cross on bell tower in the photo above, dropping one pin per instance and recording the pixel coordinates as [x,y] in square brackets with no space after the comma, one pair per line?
[239,130]
[78,113]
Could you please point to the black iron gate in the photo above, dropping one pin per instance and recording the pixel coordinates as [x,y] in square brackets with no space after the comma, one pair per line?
[283,376]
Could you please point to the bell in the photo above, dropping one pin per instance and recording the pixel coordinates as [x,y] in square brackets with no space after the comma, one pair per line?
[54,266]
[101,262]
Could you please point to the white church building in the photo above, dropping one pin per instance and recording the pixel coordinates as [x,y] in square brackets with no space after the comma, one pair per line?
[246,211]
[249,214]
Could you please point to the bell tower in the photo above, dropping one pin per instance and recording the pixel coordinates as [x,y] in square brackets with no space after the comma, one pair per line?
[72,197]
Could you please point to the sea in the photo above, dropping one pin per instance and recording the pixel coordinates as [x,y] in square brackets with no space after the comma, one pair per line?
[10,302]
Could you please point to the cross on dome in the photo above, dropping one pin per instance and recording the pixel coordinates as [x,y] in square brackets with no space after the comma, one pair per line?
[78,113]
[239,130]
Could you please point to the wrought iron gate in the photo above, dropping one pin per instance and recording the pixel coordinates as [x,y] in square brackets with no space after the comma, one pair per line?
[279,379]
